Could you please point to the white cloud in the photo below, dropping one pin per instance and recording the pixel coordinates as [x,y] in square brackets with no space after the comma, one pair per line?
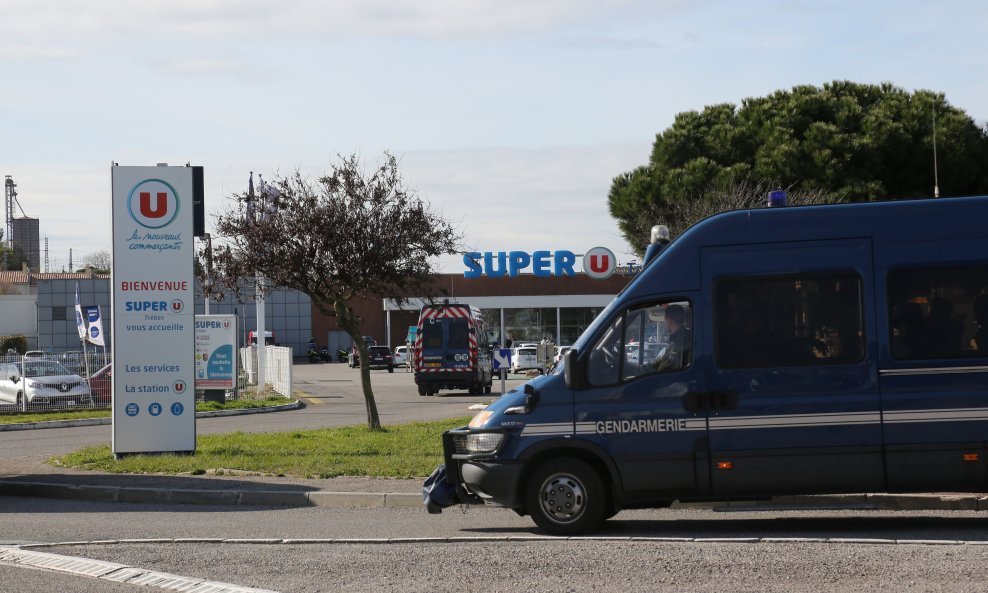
[204,67]
[27,52]
[259,19]
[510,199]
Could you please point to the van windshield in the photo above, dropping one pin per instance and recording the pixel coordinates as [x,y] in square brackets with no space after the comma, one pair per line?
[601,317]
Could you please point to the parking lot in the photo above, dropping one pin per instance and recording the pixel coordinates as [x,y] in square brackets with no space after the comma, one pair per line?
[335,386]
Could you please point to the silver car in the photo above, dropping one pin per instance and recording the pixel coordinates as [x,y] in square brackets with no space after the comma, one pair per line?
[37,382]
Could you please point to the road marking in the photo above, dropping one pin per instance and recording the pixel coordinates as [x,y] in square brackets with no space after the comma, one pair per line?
[111,571]
[307,397]
[511,538]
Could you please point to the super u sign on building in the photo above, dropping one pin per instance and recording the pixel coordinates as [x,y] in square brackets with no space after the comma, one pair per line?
[598,263]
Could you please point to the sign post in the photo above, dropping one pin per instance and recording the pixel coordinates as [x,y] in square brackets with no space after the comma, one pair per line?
[152,302]
[413,331]
[502,362]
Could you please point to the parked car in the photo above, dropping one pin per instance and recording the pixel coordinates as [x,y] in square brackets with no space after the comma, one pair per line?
[73,361]
[41,382]
[402,356]
[353,359]
[524,358]
[560,352]
[379,357]
[101,385]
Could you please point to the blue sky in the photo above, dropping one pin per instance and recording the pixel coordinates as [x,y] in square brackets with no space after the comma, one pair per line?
[510,117]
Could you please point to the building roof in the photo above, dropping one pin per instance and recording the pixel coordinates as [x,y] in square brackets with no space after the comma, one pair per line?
[21,277]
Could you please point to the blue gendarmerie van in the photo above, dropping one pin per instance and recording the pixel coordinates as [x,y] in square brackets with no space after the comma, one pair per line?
[764,352]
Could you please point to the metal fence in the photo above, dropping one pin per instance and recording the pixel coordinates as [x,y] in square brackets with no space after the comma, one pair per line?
[72,380]
[277,369]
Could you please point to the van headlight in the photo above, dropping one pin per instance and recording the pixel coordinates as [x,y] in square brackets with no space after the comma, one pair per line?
[480,419]
[484,442]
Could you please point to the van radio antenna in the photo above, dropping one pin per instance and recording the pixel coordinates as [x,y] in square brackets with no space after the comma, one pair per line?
[936,177]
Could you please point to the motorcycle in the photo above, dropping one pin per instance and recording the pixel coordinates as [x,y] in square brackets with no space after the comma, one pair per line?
[341,355]
[313,355]
[324,355]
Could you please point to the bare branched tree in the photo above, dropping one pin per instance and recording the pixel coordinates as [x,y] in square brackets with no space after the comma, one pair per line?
[98,260]
[349,235]
[205,275]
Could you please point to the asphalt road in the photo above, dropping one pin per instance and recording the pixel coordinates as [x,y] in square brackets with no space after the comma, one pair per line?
[767,551]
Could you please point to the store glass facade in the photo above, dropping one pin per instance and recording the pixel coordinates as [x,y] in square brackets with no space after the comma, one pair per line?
[573,321]
[563,325]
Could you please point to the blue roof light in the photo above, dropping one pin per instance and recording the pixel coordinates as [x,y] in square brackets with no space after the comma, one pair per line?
[777,198]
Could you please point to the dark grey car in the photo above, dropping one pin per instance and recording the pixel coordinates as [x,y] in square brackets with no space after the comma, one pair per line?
[380,357]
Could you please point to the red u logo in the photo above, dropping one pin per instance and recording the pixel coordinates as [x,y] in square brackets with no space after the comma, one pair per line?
[599,263]
[160,208]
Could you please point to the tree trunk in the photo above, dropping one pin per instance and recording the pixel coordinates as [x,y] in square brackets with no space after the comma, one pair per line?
[351,325]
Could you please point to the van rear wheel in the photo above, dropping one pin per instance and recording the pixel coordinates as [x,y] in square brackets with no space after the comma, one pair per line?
[566,497]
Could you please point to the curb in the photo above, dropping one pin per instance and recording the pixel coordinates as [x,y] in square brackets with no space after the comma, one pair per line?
[318,498]
[109,420]
[395,500]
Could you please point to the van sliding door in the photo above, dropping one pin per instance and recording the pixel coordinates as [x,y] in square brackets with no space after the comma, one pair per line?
[934,363]
[792,395]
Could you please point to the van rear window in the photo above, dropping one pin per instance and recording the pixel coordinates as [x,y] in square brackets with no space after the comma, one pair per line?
[432,335]
[798,320]
[459,334]
[938,313]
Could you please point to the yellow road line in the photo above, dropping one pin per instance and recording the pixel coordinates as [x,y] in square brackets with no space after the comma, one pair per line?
[303,396]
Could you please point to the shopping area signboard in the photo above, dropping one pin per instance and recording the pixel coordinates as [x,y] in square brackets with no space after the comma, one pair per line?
[216,357]
[153,310]
[598,263]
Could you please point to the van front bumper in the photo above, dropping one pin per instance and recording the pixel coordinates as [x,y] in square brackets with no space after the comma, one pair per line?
[480,480]
[494,483]
[446,379]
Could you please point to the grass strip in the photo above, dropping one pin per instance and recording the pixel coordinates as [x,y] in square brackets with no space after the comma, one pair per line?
[20,418]
[399,451]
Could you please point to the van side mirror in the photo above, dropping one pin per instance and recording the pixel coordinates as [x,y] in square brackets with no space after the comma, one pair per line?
[573,371]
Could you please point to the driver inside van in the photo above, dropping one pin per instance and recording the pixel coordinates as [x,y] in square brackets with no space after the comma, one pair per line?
[679,351]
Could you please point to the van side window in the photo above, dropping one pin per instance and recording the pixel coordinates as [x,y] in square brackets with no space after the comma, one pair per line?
[797,320]
[938,313]
[655,338]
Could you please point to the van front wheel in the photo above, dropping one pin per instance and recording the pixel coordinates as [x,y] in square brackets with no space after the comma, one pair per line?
[566,497]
